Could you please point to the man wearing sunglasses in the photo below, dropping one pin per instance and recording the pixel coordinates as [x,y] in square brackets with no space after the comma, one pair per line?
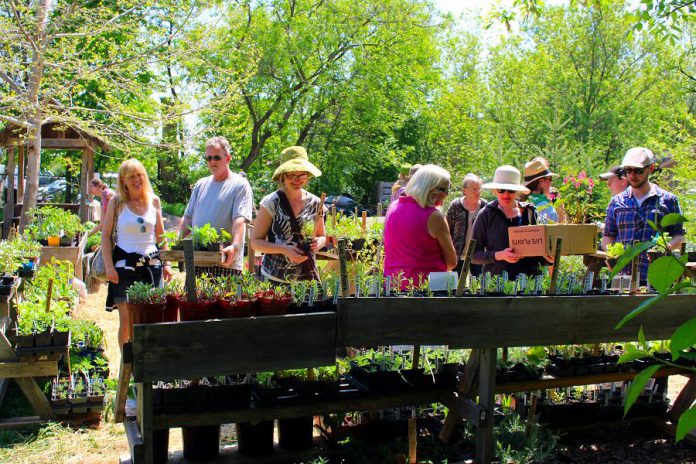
[224,200]
[629,211]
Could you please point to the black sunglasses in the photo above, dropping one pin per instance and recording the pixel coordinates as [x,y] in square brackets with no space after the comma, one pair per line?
[141,221]
[636,170]
[506,191]
[213,157]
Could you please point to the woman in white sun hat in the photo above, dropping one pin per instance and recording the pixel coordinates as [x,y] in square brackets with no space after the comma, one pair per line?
[492,222]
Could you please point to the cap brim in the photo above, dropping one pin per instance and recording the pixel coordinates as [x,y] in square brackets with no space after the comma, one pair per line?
[501,186]
[607,175]
[296,165]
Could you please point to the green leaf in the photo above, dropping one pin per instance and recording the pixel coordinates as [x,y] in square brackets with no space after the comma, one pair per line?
[638,385]
[642,307]
[630,253]
[683,338]
[632,353]
[664,272]
[671,219]
[641,338]
[688,355]
[687,422]
[652,225]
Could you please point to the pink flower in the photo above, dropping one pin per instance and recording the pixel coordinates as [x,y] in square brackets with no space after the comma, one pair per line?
[578,184]
[582,175]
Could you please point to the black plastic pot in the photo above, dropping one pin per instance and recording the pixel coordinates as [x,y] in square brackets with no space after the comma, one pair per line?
[66,241]
[255,439]
[201,443]
[295,434]
[215,246]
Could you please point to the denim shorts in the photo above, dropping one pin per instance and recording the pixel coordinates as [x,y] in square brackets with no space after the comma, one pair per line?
[127,277]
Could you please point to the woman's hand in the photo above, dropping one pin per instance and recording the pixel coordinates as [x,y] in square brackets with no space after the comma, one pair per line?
[111,274]
[507,255]
[549,259]
[167,272]
[318,243]
[294,254]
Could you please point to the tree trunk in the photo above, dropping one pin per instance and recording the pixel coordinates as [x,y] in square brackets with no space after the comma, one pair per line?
[33,165]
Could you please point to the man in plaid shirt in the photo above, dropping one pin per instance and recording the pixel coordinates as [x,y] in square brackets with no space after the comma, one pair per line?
[628,213]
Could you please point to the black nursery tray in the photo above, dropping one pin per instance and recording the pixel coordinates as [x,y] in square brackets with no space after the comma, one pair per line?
[372,379]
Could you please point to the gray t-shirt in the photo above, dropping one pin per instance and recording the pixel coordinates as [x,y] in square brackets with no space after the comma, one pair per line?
[219,203]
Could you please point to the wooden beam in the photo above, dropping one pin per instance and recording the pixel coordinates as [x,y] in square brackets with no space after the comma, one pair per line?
[251,253]
[124,375]
[10,198]
[63,144]
[684,400]
[14,369]
[19,422]
[20,175]
[217,347]
[484,442]
[135,441]
[473,322]
[85,177]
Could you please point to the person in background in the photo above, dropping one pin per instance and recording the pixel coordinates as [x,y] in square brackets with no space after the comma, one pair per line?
[136,214]
[491,227]
[416,236]
[461,215]
[98,188]
[400,182]
[628,212]
[400,191]
[538,178]
[282,214]
[225,201]
[616,180]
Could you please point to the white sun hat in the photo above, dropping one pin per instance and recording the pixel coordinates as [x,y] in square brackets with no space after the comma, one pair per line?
[506,178]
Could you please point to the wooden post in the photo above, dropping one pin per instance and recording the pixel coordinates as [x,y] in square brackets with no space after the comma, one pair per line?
[635,272]
[364,221]
[466,266]
[343,267]
[556,262]
[20,172]
[484,432]
[412,439]
[379,210]
[190,270]
[84,180]
[145,415]
[49,294]
[251,253]
[10,199]
[333,217]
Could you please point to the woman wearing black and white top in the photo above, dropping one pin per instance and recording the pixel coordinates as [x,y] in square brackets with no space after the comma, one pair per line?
[283,260]
[461,215]
[136,214]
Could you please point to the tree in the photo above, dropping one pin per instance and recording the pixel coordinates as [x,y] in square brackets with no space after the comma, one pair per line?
[88,65]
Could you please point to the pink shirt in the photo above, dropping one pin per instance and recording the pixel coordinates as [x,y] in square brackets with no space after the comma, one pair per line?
[408,246]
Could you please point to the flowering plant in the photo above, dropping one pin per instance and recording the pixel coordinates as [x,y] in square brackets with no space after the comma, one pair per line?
[580,199]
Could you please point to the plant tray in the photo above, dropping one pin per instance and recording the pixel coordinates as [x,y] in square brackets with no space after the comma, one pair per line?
[378,381]
[200,258]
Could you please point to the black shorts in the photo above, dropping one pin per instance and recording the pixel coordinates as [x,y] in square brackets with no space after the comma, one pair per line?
[127,277]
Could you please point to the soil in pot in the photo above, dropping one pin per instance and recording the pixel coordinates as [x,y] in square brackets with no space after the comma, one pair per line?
[295,434]
[201,443]
[255,439]
[148,313]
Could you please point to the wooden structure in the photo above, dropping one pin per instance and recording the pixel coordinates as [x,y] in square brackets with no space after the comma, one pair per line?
[22,372]
[73,254]
[53,137]
[215,347]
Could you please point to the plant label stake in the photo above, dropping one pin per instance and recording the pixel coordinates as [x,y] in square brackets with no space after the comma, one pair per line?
[484,281]
[357,288]
[343,267]
[538,284]
[466,267]
[379,209]
[190,270]
[556,265]
[603,284]
[378,288]
[239,291]
[310,302]
[49,293]
[387,288]
[336,291]
[571,284]
[635,272]
[364,221]
[589,280]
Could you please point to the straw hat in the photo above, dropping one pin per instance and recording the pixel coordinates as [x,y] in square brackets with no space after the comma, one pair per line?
[506,178]
[536,169]
[295,159]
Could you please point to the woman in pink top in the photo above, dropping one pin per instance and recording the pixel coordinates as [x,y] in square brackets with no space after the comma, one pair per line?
[416,236]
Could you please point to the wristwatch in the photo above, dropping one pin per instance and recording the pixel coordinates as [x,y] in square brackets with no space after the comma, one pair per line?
[236,246]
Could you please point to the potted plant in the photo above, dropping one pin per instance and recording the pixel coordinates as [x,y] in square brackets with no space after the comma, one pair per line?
[272,301]
[145,304]
[204,306]
[172,239]
[173,291]
[205,238]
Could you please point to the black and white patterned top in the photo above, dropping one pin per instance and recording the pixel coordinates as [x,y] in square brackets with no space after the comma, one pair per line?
[276,266]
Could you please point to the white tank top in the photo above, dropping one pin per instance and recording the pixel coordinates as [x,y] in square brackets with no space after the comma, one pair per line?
[134,233]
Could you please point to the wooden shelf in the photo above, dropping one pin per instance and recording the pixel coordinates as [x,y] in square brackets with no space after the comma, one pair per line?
[200,258]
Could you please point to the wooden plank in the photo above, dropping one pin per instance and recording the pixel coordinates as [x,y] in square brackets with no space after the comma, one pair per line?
[19,422]
[464,408]
[135,441]
[36,397]
[200,258]
[484,441]
[145,421]
[216,347]
[162,421]
[472,322]
[124,375]
[684,400]
[67,144]
[20,172]
[10,199]
[15,369]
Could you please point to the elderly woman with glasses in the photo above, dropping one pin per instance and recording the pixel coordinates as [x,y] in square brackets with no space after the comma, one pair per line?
[492,223]
[282,215]
[461,215]
[132,227]
[416,236]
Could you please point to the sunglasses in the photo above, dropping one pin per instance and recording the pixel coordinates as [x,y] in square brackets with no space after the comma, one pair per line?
[636,170]
[506,191]
[296,176]
[213,157]
[441,190]
[141,221]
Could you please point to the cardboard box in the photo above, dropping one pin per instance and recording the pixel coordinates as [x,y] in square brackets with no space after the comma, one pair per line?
[539,240]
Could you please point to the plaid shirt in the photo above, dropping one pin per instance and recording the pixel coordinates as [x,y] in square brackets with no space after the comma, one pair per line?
[627,222]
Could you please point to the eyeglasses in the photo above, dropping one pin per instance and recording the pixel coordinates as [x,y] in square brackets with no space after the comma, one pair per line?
[141,221]
[213,157]
[296,176]
[636,170]
[506,191]
[442,190]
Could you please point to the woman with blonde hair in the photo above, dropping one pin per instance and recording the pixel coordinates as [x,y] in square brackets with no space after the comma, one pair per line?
[416,237]
[132,227]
